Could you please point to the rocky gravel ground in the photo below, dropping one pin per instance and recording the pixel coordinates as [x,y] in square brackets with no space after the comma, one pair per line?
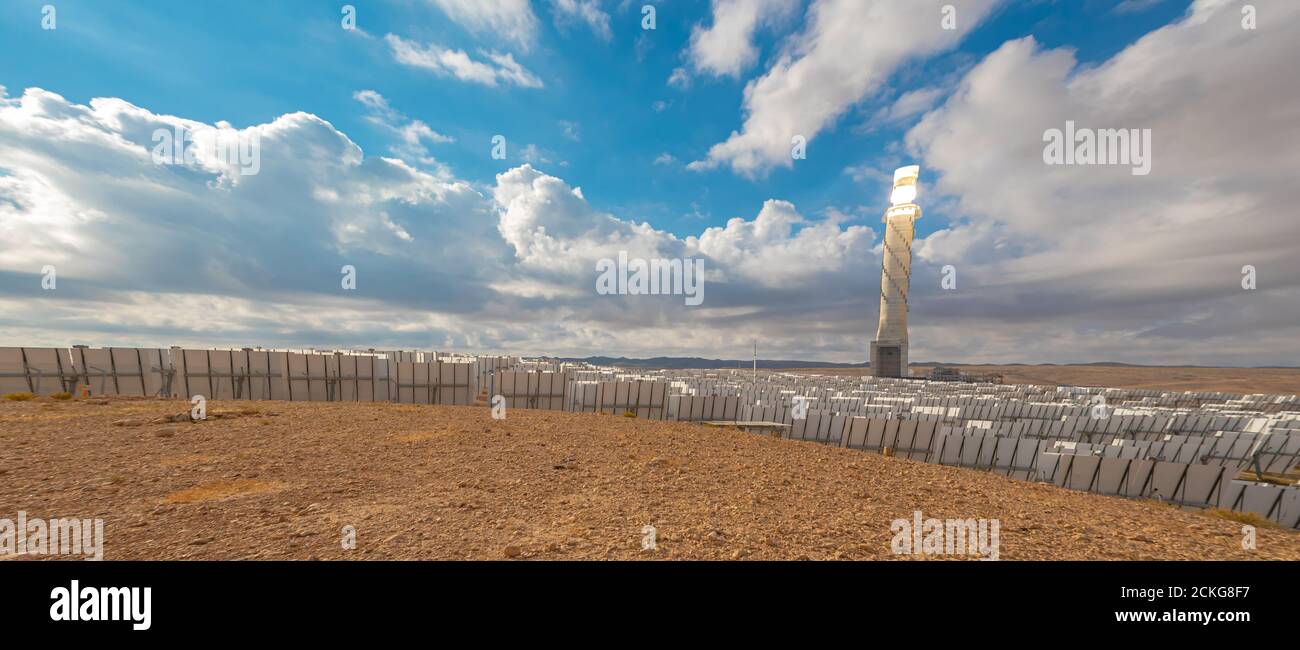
[282,480]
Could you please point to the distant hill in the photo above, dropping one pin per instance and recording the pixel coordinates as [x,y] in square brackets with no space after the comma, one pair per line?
[697,363]
[1116,364]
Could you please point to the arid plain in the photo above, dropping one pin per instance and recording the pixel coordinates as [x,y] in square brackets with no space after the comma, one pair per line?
[282,480]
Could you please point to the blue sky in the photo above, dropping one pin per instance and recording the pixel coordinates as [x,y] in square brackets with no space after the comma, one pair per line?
[249,62]
[458,250]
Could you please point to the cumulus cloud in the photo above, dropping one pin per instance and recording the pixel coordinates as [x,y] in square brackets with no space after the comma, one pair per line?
[769,252]
[499,69]
[152,254]
[847,50]
[551,225]
[1095,260]
[84,193]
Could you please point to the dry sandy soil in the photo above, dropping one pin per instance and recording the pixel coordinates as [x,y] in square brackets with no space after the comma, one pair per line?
[1244,381]
[280,480]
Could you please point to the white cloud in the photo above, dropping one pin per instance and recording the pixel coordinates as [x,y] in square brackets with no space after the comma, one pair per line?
[679,79]
[570,130]
[531,153]
[503,69]
[150,254]
[412,134]
[726,47]
[847,50]
[910,103]
[551,226]
[1105,264]
[870,175]
[769,252]
[510,20]
[84,193]
[510,71]
[1135,6]
[585,11]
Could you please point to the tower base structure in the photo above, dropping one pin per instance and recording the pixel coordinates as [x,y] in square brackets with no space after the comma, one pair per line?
[889,359]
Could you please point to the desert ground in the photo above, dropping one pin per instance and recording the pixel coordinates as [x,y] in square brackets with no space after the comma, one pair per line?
[280,480]
[1243,381]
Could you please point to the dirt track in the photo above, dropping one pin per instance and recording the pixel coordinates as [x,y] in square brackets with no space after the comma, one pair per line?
[280,480]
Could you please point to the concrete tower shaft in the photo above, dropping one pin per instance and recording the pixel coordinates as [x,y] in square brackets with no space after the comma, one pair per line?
[889,349]
[896,272]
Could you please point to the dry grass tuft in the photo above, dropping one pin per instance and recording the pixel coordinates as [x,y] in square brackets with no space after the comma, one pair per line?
[18,397]
[1249,518]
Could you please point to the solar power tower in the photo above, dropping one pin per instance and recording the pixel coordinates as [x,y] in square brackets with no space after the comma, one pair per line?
[889,350]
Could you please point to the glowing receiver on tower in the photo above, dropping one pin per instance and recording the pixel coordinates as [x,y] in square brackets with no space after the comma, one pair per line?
[889,350]
[904,185]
